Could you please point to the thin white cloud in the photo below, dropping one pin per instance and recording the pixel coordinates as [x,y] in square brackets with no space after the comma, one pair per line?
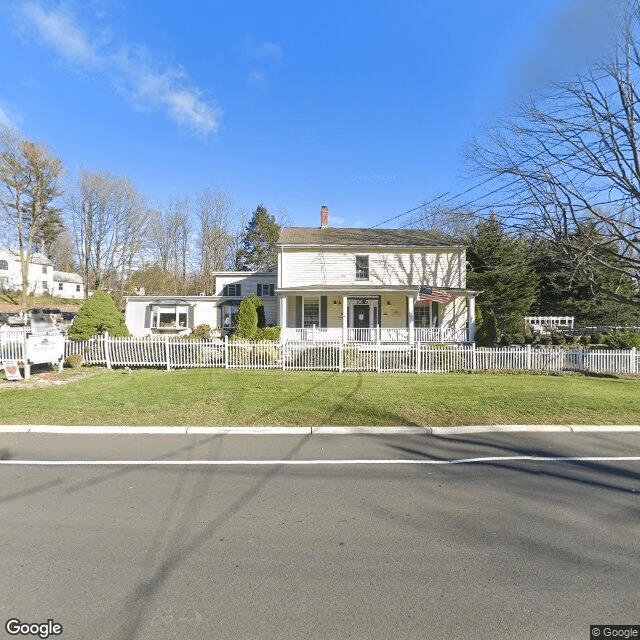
[59,30]
[128,68]
[262,51]
[6,118]
[257,79]
[263,55]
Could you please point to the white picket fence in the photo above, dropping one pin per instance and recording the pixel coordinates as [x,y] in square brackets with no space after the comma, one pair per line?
[333,356]
[417,358]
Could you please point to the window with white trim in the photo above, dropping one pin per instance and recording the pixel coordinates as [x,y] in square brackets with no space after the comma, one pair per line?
[60,286]
[425,315]
[231,290]
[311,312]
[230,314]
[362,267]
[169,317]
[266,290]
[4,265]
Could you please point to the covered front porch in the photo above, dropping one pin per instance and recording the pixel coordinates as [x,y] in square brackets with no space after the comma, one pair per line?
[387,315]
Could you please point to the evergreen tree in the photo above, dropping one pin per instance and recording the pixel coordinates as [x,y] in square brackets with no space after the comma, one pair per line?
[97,315]
[258,247]
[247,319]
[565,291]
[501,269]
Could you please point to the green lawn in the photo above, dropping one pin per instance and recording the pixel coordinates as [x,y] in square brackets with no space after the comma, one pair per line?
[219,397]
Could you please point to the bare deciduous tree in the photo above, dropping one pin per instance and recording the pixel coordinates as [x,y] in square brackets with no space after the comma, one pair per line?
[109,219]
[29,175]
[216,242]
[569,157]
[458,223]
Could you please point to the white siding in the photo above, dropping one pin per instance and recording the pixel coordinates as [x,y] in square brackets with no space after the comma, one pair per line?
[441,268]
[11,278]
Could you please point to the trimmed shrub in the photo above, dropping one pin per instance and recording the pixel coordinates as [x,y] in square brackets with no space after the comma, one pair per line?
[271,333]
[97,315]
[545,340]
[585,340]
[487,333]
[558,339]
[247,319]
[202,331]
[622,340]
[75,360]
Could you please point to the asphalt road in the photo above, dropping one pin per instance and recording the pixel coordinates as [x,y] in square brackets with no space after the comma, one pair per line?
[315,540]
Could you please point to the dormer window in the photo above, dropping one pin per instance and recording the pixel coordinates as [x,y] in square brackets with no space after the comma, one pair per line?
[231,290]
[362,267]
[266,290]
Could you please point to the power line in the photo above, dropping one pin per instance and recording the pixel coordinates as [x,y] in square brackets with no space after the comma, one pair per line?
[485,181]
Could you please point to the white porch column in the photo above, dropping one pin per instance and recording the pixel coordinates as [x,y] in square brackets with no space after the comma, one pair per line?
[282,315]
[471,317]
[345,311]
[410,319]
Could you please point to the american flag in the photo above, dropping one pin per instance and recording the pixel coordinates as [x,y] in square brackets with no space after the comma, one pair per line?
[429,294]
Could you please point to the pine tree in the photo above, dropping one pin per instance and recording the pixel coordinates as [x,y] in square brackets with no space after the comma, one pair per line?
[565,290]
[258,248]
[501,269]
[97,315]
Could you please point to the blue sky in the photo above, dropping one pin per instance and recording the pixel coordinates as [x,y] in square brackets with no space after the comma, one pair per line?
[364,107]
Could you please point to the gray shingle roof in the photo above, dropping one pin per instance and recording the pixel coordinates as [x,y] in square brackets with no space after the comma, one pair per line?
[65,276]
[334,236]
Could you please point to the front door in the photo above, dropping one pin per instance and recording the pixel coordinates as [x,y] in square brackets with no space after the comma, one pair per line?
[361,316]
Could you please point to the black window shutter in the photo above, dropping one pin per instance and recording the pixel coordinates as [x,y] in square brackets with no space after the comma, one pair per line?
[298,311]
[323,311]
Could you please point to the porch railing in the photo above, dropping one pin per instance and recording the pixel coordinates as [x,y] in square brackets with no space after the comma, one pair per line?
[377,334]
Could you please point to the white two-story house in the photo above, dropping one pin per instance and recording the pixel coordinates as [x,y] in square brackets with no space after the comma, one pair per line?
[391,285]
[349,285]
[40,272]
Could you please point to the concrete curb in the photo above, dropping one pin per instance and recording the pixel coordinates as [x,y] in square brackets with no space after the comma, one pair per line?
[322,430]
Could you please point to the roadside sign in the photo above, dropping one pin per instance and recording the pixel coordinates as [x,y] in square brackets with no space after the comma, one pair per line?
[47,348]
[11,370]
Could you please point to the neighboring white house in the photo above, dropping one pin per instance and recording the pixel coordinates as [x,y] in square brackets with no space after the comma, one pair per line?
[387,285]
[40,275]
[67,285]
[146,315]
[364,284]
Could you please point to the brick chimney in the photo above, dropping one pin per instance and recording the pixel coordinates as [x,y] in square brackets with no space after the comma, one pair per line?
[324,217]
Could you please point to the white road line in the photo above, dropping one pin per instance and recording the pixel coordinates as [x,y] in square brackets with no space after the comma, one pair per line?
[231,463]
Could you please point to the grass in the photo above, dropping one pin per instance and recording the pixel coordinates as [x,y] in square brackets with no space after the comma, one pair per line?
[219,397]
[12,301]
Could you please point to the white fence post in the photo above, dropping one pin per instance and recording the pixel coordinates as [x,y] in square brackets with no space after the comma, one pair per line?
[167,354]
[416,346]
[226,351]
[105,344]
[633,368]
[528,358]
